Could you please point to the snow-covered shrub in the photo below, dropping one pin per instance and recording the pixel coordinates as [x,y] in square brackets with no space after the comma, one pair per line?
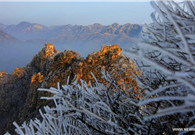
[166,56]
[80,109]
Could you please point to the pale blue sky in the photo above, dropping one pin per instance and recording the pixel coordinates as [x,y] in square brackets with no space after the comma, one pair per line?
[84,13]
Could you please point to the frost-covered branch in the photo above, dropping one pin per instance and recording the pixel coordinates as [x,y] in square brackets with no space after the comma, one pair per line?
[83,109]
[168,47]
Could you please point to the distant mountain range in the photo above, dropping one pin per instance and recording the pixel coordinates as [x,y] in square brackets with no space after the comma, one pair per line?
[5,38]
[32,31]
[27,38]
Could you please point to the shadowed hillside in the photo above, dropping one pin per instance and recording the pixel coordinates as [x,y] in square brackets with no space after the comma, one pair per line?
[5,38]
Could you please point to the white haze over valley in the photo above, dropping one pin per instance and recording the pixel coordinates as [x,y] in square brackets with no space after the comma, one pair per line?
[25,39]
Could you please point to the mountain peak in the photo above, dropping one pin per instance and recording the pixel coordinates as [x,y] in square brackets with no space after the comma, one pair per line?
[44,56]
[107,52]
[37,26]
[115,24]
[32,27]
[3,77]
[24,23]
[113,48]
[49,50]
[18,73]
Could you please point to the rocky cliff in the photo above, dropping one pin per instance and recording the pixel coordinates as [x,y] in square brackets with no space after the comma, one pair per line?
[19,98]
[3,78]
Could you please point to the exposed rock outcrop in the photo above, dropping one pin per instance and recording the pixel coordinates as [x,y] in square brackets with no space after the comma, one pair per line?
[3,78]
[42,59]
[19,98]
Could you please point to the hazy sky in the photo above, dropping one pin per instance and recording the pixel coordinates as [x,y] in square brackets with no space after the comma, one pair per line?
[85,13]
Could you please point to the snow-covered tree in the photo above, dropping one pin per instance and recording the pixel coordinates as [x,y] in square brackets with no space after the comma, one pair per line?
[166,56]
[80,109]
